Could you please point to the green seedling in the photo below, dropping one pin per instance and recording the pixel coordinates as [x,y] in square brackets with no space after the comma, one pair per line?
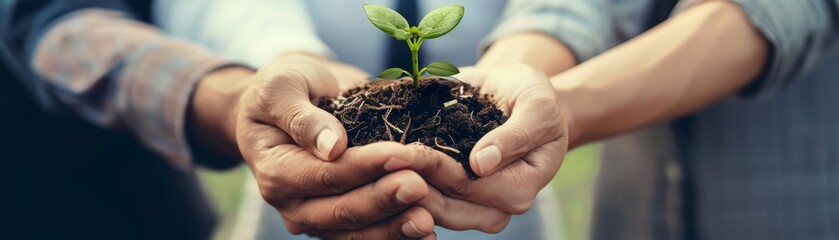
[436,24]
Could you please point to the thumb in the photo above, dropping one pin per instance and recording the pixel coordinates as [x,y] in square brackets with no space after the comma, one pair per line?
[312,128]
[294,88]
[534,121]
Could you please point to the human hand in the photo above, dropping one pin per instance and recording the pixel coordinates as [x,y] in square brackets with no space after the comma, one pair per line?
[518,158]
[289,143]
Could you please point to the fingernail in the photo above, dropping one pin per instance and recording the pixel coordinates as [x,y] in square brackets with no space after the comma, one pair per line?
[395,163]
[410,229]
[488,159]
[326,140]
[406,195]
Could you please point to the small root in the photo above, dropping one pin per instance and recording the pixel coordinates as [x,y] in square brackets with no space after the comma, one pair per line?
[361,107]
[389,134]
[383,107]
[356,127]
[387,125]
[354,101]
[407,130]
[344,118]
[386,116]
[444,147]
[356,134]
[431,123]
[355,140]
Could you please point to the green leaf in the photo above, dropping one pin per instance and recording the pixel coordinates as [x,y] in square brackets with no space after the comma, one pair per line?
[443,69]
[393,73]
[424,31]
[402,35]
[440,21]
[387,20]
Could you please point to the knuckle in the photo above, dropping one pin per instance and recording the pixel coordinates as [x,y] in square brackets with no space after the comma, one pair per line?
[294,227]
[268,195]
[298,117]
[517,201]
[345,218]
[277,187]
[274,196]
[520,207]
[458,188]
[329,181]
[424,154]
[498,225]
[385,206]
[355,235]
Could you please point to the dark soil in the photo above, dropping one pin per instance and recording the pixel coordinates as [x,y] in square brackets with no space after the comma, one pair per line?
[444,114]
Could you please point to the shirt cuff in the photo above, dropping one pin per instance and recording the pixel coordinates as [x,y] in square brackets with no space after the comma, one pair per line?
[162,87]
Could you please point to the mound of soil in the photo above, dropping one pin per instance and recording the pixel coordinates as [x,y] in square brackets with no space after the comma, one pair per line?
[444,114]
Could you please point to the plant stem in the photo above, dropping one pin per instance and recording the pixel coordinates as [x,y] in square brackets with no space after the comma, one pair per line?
[415,62]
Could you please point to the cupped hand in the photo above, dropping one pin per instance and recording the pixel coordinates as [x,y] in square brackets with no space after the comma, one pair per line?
[520,157]
[290,145]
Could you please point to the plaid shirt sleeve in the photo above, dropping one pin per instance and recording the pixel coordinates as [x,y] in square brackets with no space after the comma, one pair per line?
[121,73]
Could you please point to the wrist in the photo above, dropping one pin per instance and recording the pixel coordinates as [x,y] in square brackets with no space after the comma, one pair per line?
[575,117]
[214,108]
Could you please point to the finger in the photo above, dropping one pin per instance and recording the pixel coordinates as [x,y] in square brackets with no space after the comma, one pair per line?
[534,120]
[459,215]
[289,172]
[253,138]
[511,190]
[362,206]
[413,223]
[290,90]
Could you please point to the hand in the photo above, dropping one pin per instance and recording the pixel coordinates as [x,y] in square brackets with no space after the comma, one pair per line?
[518,158]
[297,180]
[214,107]
[289,143]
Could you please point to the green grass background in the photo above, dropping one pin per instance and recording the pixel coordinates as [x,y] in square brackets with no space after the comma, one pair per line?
[573,187]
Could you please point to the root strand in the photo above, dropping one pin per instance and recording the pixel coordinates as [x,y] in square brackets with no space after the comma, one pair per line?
[444,147]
